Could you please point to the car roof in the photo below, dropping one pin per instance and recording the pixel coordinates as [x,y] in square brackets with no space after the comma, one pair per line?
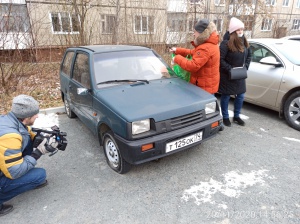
[270,41]
[110,48]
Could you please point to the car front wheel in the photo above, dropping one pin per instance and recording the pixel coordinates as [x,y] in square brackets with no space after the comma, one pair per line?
[113,155]
[292,110]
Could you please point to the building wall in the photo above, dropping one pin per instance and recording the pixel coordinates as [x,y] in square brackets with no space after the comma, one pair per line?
[91,14]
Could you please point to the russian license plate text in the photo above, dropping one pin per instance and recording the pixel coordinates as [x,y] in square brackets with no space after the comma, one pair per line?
[171,146]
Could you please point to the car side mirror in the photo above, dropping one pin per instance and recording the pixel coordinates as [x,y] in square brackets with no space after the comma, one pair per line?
[270,60]
[82,91]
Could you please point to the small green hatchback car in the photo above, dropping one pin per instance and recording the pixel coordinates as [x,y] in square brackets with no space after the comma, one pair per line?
[132,100]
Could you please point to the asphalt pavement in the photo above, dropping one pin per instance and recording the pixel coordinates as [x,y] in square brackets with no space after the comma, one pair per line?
[245,174]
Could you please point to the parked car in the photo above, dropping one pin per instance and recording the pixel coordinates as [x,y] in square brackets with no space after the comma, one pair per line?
[274,77]
[292,37]
[136,105]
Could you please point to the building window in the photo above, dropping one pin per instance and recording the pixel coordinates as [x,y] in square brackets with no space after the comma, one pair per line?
[176,22]
[191,25]
[14,18]
[143,24]
[271,2]
[108,24]
[298,4]
[266,25]
[220,2]
[248,21]
[195,1]
[239,2]
[296,24]
[285,3]
[218,23]
[64,22]
[176,25]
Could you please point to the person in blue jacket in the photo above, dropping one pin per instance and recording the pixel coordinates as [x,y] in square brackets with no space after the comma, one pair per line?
[18,173]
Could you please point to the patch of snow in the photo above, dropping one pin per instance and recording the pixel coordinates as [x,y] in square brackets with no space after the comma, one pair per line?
[232,186]
[46,121]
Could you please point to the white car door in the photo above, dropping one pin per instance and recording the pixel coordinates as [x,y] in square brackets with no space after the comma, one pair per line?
[263,80]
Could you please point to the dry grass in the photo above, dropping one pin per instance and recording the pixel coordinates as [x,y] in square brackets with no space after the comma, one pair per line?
[40,81]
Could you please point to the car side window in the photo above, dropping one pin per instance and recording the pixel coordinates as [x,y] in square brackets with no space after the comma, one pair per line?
[66,65]
[81,71]
[259,52]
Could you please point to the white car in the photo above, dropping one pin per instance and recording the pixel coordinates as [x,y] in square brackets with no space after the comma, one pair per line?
[274,77]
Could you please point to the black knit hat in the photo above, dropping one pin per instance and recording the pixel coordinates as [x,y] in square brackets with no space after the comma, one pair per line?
[201,25]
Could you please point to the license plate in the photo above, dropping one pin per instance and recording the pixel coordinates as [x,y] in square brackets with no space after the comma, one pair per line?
[171,146]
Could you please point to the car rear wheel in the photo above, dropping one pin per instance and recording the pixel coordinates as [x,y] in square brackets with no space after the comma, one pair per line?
[69,112]
[292,110]
[113,155]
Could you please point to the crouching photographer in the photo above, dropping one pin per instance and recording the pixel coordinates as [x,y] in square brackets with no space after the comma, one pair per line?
[20,148]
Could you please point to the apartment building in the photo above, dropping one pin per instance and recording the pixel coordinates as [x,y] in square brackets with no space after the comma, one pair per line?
[49,23]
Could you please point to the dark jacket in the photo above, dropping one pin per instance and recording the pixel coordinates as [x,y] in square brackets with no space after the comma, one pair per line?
[228,60]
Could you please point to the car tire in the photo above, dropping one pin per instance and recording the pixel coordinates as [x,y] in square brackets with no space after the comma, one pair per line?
[112,154]
[292,110]
[68,110]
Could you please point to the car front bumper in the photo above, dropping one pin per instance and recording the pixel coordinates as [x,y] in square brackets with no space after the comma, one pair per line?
[131,150]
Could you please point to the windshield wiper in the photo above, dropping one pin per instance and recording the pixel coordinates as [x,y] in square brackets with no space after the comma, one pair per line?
[124,80]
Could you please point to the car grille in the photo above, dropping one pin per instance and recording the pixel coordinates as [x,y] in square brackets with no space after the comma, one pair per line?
[186,120]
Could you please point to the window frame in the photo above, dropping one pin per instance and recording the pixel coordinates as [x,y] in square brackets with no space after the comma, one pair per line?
[14,19]
[106,27]
[193,2]
[271,2]
[67,63]
[61,23]
[219,24]
[266,22]
[296,24]
[219,2]
[141,22]
[285,3]
[77,71]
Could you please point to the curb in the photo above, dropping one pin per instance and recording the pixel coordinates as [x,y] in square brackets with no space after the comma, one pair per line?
[56,110]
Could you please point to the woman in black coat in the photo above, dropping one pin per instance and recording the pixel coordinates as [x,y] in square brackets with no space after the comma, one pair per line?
[235,52]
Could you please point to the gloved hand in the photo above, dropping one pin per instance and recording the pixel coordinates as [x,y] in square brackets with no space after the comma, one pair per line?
[46,146]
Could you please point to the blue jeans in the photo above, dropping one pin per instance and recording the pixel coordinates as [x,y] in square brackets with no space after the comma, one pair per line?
[10,188]
[238,103]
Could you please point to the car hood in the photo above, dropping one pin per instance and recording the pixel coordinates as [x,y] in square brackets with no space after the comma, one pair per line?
[160,99]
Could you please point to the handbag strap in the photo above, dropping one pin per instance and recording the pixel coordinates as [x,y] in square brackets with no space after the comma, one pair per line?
[244,56]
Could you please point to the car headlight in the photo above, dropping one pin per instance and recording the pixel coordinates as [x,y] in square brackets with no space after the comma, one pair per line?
[210,107]
[140,126]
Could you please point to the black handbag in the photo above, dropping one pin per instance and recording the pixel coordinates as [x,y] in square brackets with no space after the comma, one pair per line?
[238,72]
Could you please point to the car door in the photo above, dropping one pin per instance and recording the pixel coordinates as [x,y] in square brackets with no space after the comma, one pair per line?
[80,89]
[263,81]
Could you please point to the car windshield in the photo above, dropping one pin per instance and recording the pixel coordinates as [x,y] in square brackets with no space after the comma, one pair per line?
[129,65]
[290,50]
